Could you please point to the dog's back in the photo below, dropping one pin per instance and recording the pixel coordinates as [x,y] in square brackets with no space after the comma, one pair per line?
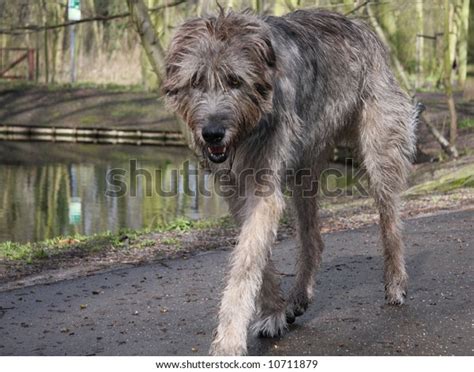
[340,67]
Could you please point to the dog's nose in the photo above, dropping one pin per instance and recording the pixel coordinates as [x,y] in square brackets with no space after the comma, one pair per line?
[213,133]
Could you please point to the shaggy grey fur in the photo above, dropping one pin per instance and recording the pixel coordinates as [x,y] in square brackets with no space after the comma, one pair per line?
[264,94]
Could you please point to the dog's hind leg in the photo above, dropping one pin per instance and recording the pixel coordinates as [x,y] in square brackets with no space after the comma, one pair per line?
[310,247]
[248,262]
[386,144]
[271,318]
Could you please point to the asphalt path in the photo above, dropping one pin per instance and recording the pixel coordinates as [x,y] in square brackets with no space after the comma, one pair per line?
[169,307]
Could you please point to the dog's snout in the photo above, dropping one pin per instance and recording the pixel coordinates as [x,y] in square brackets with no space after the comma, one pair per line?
[213,133]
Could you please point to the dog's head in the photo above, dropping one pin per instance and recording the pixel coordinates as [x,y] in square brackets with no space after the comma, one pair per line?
[219,73]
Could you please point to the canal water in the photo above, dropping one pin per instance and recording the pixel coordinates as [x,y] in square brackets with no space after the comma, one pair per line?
[56,189]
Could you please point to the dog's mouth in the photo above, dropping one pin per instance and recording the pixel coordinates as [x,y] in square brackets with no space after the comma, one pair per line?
[217,154]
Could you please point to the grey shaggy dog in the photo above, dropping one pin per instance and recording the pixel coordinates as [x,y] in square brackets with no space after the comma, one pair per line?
[266,94]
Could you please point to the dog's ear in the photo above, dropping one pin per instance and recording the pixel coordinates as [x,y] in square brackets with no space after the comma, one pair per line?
[167,91]
[180,46]
[169,82]
[269,53]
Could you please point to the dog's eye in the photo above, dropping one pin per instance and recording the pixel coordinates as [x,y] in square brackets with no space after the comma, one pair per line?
[196,81]
[171,92]
[234,82]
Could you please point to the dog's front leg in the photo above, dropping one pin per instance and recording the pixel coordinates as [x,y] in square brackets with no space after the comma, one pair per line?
[247,264]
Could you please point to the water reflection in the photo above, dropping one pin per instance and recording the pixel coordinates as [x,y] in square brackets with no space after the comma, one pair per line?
[52,189]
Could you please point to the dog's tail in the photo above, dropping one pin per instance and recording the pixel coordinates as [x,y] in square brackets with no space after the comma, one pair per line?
[418,108]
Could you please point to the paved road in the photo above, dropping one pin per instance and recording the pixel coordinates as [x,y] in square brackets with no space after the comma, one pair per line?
[169,308]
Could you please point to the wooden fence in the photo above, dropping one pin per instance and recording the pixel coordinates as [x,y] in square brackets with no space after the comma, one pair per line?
[13,57]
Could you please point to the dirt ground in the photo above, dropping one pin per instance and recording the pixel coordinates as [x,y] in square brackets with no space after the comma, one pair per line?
[83,108]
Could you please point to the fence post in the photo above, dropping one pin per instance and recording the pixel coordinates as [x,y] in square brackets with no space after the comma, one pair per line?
[36,64]
[31,64]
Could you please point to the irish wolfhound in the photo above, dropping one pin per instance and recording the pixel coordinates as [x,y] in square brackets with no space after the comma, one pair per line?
[269,93]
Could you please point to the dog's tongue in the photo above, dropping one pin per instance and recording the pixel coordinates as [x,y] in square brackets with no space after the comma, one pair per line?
[217,149]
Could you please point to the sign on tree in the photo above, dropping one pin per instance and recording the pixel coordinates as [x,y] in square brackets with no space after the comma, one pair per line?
[74,10]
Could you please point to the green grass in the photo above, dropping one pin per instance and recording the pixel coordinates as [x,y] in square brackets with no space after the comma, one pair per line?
[89,119]
[16,84]
[144,243]
[130,109]
[466,123]
[170,241]
[15,251]
[460,178]
[124,239]
[29,252]
[183,224]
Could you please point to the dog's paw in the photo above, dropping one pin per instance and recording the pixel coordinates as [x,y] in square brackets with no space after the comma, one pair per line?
[297,305]
[228,344]
[273,325]
[226,349]
[396,291]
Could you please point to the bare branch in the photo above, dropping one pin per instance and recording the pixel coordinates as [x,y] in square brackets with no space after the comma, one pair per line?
[444,143]
[99,18]
[357,8]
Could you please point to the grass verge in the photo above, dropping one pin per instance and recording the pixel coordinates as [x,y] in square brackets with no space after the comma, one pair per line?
[125,239]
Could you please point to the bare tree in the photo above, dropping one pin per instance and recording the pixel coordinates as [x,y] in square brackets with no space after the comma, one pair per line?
[419,41]
[396,62]
[154,51]
[448,67]
[463,41]
[148,36]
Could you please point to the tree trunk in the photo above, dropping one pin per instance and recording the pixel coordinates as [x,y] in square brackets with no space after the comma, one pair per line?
[449,149]
[257,5]
[150,42]
[387,18]
[279,7]
[202,7]
[448,68]
[149,78]
[46,56]
[54,44]
[348,5]
[420,42]
[398,66]
[453,31]
[292,4]
[154,51]
[96,33]
[463,42]
[44,13]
